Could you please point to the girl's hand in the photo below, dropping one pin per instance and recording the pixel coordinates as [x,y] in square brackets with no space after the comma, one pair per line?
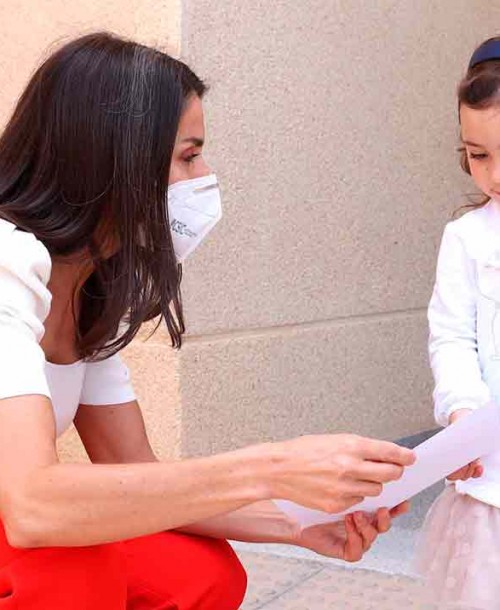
[352,538]
[473,470]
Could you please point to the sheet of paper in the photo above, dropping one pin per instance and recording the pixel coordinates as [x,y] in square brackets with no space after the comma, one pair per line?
[469,438]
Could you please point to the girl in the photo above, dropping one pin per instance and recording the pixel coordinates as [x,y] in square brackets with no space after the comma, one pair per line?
[460,547]
[103,192]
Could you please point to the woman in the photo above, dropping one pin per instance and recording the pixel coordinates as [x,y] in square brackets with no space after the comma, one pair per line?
[90,246]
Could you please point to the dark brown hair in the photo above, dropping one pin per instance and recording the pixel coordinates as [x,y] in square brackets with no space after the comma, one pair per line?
[89,146]
[479,89]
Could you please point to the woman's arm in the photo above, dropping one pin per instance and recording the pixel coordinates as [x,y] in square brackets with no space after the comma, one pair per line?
[102,431]
[45,503]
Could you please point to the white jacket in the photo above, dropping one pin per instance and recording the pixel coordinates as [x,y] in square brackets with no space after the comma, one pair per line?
[464,321]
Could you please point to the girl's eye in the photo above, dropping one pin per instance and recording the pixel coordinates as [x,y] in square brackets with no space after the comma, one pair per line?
[191,158]
[478,156]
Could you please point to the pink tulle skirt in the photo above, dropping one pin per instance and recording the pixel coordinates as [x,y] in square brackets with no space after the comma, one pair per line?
[459,553]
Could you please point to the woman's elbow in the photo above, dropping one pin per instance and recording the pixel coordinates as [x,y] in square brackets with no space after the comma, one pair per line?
[26,525]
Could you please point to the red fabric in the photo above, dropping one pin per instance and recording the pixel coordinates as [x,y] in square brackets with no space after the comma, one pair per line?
[166,571]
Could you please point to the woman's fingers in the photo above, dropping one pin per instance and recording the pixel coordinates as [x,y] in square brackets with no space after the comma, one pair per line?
[362,530]
[387,452]
[353,550]
[366,530]
[379,472]
[400,509]
[333,472]
[383,520]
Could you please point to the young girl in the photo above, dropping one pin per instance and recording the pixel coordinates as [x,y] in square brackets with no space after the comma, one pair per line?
[103,192]
[460,547]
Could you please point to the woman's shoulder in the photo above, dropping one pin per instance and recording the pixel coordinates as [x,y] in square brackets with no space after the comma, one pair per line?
[22,254]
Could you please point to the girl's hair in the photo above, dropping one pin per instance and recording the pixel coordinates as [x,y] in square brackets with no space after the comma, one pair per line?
[479,89]
[87,153]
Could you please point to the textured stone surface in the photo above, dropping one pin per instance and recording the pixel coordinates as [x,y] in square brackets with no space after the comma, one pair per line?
[154,369]
[278,583]
[364,376]
[333,127]
[270,577]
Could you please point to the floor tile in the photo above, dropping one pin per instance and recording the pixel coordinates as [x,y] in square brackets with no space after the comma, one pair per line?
[270,576]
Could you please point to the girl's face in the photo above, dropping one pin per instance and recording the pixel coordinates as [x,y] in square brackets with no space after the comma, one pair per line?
[481,137]
[187,160]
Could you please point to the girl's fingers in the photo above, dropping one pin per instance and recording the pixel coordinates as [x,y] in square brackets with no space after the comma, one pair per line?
[472,471]
[478,469]
[463,474]
[469,471]
[478,472]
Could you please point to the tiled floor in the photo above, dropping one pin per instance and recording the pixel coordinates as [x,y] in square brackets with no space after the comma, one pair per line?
[280,583]
[288,578]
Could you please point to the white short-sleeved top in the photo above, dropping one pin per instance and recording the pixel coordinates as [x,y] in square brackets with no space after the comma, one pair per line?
[25,267]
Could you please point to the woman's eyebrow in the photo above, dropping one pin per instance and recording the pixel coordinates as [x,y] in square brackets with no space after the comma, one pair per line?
[195,141]
[469,143]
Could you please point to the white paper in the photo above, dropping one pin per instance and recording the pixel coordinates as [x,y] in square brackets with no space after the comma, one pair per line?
[469,438]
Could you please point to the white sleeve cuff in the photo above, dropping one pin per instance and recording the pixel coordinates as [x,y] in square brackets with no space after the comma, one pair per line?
[107,383]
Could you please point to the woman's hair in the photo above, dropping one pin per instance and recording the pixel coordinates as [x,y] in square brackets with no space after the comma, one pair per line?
[479,89]
[87,154]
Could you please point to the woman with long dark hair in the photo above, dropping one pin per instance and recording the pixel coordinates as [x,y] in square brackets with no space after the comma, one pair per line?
[103,193]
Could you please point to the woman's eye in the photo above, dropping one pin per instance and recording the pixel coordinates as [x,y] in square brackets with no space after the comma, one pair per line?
[191,158]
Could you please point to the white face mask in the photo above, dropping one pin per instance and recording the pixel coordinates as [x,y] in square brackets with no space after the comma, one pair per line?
[194,208]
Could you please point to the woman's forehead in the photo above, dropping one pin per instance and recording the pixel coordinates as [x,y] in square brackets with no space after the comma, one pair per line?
[192,123]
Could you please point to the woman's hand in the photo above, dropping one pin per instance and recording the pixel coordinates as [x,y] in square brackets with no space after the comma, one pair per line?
[473,470]
[351,538]
[332,473]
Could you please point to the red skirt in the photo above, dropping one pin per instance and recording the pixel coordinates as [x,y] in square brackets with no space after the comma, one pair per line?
[165,571]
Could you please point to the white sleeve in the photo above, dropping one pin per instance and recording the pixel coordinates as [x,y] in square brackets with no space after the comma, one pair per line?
[453,338]
[106,383]
[25,268]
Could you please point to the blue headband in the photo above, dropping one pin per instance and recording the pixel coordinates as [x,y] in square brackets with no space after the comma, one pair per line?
[486,52]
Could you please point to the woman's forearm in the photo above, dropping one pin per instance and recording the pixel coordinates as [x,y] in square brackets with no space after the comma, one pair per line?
[84,504]
[257,522]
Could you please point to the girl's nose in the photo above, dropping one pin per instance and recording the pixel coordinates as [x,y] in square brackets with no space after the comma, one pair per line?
[495,174]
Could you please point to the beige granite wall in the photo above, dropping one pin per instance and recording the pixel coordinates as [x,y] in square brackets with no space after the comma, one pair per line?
[332,125]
